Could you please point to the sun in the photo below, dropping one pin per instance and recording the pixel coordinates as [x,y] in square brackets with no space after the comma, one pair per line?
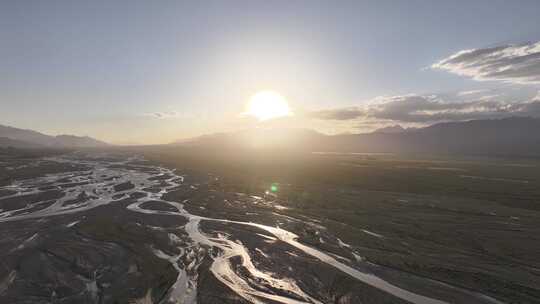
[267,105]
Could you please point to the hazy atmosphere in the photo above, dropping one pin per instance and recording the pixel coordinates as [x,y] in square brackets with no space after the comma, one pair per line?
[181,69]
[270,152]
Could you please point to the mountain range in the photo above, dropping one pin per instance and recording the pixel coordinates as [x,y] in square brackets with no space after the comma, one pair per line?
[514,136]
[22,138]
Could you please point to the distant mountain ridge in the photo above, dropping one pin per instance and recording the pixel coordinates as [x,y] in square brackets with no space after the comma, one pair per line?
[79,141]
[22,138]
[8,142]
[514,136]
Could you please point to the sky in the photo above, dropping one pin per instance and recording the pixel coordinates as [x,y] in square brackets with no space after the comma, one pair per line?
[133,72]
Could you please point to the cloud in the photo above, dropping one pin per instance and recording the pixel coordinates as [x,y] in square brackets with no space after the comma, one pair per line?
[429,109]
[531,108]
[509,63]
[537,97]
[420,109]
[337,114]
[163,115]
[471,92]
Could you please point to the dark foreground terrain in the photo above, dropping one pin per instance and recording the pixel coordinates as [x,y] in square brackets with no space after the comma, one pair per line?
[183,226]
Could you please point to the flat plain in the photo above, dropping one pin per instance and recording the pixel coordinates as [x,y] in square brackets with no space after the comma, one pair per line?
[167,224]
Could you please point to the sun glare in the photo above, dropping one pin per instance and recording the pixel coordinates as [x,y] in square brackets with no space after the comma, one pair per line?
[268,105]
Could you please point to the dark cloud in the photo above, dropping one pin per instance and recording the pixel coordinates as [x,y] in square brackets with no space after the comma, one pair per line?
[427,109]
[337,114]
[509,63]
[417,109]
[531,108]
